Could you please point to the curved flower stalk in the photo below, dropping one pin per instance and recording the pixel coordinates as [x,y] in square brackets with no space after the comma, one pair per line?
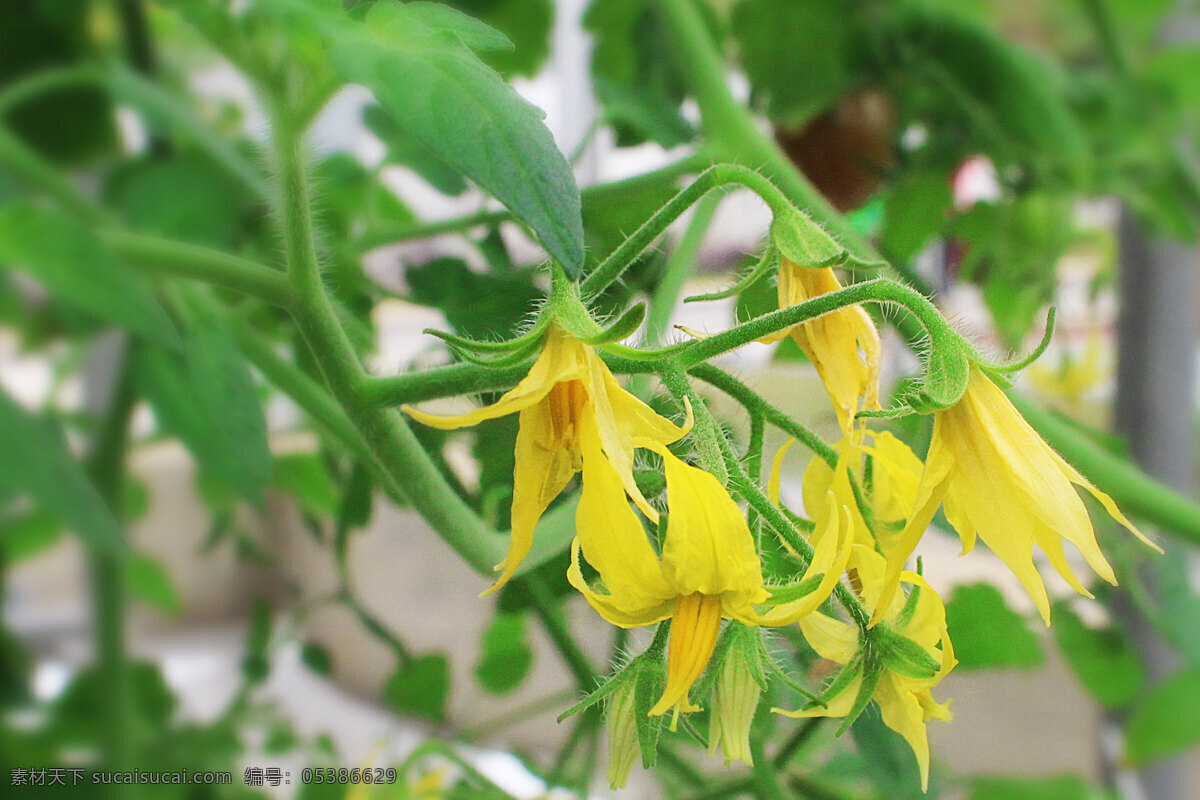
[567,391]
[890,494]
[843,345]
[709,568]
[1002,483]
[899,682]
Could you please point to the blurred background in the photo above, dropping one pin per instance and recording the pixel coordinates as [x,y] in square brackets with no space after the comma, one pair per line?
[279,611]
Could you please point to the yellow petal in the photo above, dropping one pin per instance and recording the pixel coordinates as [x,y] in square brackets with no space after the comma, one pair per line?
[935,481]
[563,358]
[838,706]
[903,713]
[695,623]
[831,638]
[614,542]
[708,548]
[615,610]
[773,483]
[542,471]
[832,545]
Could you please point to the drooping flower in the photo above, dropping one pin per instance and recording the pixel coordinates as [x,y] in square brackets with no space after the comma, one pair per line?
[709,568]
[888,486]
[1002,483]
[566,390]
[905,702]
[843,345]
[621,722]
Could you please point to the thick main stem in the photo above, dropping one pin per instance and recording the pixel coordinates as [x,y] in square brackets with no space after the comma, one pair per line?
[392,442]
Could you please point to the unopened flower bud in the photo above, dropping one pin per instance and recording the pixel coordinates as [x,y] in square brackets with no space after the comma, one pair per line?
[621,722]
[734,701]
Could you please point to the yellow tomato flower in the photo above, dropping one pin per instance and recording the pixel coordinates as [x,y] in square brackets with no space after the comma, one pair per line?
[905,702]
[843,345]
[709,568]
[567,389]
[1001,482]
[890,494]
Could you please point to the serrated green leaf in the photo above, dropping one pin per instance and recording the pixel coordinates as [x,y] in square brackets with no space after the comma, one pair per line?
[421,71]
[208,400]
[528,24]
[504,654]
[1166,720]
[1103,659]
[987,633]
[420,687]
[76,267]
[148,581]
[305,476]
[36,462]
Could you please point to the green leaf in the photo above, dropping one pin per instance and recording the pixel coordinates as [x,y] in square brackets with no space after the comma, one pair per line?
[637,84]
[76,267]
[305,476]
[28,534]
[208,399]
[1061,787]
[526,23]
[316,658]
[1103,659]
[987,633]
[185,197]
[420,687]
[504,654]
[36,462]
[1167,719]
[914,210]
[477,305]
[408,151]
[149,582]
[797,54]
[415,58]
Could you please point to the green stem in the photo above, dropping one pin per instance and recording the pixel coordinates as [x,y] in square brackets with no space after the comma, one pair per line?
[31,168]
[395,447]
[170,257]
[712,178]
[105,464]
[430,384]
[1135,492]
[878,290]
[731,132]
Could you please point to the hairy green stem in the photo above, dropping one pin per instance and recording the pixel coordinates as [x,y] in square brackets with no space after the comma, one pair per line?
[31,168]
[169,257]
[731,132]
[392,442]
[712,178]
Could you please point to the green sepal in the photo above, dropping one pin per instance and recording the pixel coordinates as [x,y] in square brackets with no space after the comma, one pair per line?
[517,355]
[803,242]
[606,687]
[993,368]
[622,328]
[910,605]
[650,678]
[634,354]
[904,656]
[786,594]
[872,671]
[768,261]
[704,685]
[463,344]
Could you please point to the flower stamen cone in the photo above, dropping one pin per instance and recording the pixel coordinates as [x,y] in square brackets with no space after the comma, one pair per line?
[695,623]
